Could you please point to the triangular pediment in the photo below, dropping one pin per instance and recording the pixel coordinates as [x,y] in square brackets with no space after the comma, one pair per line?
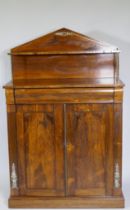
[64,41]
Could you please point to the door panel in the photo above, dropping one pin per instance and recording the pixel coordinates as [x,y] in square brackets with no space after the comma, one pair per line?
[89,149]
[40,146]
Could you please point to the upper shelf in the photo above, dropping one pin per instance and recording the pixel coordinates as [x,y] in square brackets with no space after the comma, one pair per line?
[65,83]
[64,58]
[63,41]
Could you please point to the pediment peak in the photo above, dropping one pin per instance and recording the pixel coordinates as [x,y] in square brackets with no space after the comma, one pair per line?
[64,41]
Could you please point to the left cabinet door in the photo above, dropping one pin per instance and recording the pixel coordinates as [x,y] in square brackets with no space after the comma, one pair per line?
[40,145]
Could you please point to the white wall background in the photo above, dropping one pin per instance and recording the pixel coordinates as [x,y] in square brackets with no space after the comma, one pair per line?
[23,20]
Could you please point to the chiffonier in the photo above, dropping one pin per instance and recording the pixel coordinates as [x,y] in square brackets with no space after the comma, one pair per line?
[64,109]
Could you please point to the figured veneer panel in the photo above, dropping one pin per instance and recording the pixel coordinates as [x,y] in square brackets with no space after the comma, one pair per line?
[63,66]
[88,152]
[39,144]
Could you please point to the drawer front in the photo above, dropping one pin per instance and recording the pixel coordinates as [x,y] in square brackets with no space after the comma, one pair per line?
[75,95]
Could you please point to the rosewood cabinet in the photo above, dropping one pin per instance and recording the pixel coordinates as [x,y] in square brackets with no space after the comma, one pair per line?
[64,107]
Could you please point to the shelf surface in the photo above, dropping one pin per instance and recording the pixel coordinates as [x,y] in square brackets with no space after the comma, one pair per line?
[64,83]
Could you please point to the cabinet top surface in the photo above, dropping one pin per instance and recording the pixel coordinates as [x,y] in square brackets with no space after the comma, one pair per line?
[66,83]
[63,41]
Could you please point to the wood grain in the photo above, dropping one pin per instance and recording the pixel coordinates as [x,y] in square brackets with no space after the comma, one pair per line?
[63,41]
[87,151]
[10,96]
[68,95]
[118,145]
[12,143]
[64,107]
[64,66]
[39,145]
[69,202]
[65,83]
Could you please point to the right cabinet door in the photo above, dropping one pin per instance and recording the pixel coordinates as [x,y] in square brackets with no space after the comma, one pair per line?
[89,139]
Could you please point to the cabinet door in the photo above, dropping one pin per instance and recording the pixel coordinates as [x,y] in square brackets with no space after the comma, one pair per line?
[40,149]
[89,139]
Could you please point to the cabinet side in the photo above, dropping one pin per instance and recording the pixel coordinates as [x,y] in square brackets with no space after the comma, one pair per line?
[116,67]
[118,99]
[11,119]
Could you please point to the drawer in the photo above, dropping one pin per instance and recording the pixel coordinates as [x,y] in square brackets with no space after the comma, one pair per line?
[68,95]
